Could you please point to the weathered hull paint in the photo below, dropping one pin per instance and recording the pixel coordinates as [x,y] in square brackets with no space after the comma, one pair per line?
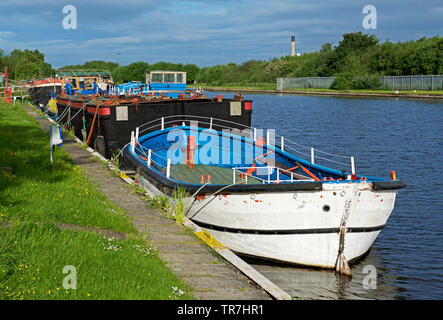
[314,250]
[300,227]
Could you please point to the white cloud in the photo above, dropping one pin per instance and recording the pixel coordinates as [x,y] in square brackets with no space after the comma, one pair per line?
[7,34]
[196,30]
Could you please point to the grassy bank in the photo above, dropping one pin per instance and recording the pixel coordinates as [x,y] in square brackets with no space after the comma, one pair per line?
[239,86]
[46,216]
[265,87]
[370,91]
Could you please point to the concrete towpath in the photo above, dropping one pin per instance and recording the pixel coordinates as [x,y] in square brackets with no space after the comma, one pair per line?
[205,272]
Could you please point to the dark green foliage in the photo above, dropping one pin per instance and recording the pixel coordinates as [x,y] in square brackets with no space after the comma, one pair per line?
[348,81]
[356,57]
[343,81]
[2,62]
[372,83]
[192,71]
[25,64]
[136,71]
[354,43]
[92,65]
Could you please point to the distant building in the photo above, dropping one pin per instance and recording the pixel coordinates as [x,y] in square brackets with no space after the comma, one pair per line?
[293,53]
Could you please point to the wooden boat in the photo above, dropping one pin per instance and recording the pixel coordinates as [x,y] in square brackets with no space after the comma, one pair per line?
[42,90]
[257,198]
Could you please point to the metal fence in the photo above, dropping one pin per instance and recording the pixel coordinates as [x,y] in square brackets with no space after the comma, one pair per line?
[419,82]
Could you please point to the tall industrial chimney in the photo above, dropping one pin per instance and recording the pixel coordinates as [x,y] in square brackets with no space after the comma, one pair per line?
[292,46]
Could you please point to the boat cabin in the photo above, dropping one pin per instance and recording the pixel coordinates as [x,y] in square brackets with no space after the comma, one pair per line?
[82,80]
[166,80]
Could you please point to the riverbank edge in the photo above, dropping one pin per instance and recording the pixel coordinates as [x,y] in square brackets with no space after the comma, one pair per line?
[213,276]
[331,93]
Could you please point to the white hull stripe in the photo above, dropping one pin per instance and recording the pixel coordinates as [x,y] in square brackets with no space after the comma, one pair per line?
[287,231]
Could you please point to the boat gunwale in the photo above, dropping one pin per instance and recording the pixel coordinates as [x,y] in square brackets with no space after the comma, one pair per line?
[268,147]
[127,100]
[297,185]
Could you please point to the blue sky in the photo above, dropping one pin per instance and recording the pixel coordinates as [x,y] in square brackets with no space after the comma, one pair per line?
[197,31]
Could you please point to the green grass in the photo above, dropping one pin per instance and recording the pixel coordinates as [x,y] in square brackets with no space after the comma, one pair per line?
[37,196]
[417,92]
[179,201]
[33,258]
[173,207]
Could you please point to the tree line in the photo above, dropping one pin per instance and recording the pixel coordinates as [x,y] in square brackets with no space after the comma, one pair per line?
[25,64]
[135,71]
[356,55]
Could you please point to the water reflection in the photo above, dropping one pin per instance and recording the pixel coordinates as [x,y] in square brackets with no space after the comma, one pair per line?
[309,283]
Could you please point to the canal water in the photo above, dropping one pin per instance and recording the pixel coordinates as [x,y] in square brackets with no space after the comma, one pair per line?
[404,135]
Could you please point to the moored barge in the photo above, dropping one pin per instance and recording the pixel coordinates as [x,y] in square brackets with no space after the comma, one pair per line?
[105,123]
[41,90]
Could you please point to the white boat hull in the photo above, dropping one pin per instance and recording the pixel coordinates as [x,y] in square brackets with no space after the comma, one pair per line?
[299,227]
[316,250]
[288,215]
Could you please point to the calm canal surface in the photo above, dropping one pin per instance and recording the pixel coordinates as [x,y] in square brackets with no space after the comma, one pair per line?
[383,135]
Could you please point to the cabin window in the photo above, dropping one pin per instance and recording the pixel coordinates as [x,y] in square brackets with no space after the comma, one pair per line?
[179,77]
[157,77]
[169,77]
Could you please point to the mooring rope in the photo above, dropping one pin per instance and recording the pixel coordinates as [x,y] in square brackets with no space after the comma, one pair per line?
[212,198]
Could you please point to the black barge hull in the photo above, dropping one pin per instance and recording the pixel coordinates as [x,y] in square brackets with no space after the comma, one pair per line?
[115,120]
[41,94]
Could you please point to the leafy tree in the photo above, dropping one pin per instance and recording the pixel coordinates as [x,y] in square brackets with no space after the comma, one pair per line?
[343,81]
[192,71]
[2,63]
[26,64]
[355,42]
[136,71]
[92,65]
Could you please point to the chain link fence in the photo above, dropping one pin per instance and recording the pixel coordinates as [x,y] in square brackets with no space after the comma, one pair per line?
[419,82]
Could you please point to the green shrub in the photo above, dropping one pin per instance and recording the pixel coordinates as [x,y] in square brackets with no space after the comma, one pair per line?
[343,81]
[179,197]
[372,83]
